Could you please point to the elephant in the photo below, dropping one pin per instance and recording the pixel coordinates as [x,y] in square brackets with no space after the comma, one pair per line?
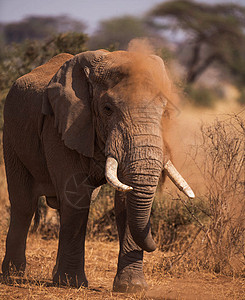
[72,125]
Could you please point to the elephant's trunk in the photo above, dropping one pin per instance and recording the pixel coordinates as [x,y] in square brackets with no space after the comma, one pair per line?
[139,170]
[138,211]
[138,205]
[143,176]
[141,160]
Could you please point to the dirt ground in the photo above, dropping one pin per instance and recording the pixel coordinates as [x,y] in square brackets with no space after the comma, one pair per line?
[101,260]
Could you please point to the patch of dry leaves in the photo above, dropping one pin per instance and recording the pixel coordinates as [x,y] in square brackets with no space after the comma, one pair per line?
[101,262]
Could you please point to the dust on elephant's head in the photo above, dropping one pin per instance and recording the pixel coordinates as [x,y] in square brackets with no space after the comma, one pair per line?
[94,90]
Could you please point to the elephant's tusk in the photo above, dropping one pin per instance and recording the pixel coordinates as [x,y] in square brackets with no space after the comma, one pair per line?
[178,180]
[111,175]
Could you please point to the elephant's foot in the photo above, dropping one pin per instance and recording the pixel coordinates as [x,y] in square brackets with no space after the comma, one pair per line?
[13,266]
[129,281]
[70,279]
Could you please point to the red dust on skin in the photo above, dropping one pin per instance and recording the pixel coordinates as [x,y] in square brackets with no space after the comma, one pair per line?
[146,60]
[144,74]
[138,69]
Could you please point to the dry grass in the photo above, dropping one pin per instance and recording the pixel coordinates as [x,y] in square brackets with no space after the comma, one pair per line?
[223,168]
[100,270]
[179,282]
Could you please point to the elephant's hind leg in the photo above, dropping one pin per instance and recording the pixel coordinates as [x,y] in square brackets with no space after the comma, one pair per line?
[23,204]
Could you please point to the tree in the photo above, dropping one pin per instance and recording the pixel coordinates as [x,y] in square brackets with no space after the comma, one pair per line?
[214,33]
[38,28]
[117,32]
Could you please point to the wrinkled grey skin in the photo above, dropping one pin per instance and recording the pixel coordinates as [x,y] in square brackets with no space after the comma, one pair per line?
[62,121]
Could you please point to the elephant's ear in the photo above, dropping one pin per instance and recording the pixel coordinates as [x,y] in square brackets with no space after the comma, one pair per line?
[163,81]
[68,98]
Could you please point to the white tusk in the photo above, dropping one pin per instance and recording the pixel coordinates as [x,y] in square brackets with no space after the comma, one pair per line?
[111,175]
[178,180]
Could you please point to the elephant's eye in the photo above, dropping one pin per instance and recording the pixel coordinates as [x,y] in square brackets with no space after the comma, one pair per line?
[108,109]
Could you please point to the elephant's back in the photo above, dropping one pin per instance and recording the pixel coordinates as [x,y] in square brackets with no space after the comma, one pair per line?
[39,78]
[25,96]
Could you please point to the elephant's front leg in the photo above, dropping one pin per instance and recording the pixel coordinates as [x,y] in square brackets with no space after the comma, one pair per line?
[69,269]
[130,276]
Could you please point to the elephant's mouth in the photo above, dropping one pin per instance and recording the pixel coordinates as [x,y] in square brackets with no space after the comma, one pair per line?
[172,173]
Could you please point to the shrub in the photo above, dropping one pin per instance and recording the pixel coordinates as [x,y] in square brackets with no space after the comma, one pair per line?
[201,96]
[223,150]
[209,232]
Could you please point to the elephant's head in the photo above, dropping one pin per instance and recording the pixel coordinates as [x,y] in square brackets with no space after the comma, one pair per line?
[117,101]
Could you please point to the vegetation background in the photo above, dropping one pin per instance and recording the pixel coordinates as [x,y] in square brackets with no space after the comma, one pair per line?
[203,46]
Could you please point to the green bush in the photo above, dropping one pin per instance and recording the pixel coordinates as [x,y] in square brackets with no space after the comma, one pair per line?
[201,96]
